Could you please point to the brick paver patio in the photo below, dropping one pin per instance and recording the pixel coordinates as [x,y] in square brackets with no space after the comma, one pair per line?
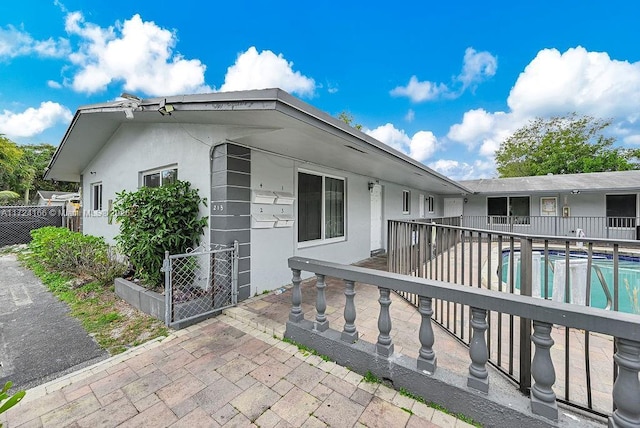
[234,371]
[229,371]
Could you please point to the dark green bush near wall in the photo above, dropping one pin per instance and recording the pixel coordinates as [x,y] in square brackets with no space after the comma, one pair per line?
[154,220]
[85,256]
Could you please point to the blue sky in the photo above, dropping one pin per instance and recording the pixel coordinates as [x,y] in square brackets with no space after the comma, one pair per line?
[444,82]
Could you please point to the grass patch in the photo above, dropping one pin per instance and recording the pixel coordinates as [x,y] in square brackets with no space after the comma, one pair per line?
[371,378]
[305,350]
[114,324]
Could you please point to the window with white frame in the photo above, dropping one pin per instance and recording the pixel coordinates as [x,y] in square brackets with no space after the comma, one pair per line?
[430,204]
[96,196]
[511,209]
[159,177]
[406,202]
[321,207]
[621,210]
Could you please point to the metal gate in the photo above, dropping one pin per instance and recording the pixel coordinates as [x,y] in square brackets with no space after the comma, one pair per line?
[199,284]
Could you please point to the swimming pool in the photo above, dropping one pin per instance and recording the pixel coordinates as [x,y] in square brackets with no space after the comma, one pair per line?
[628,273]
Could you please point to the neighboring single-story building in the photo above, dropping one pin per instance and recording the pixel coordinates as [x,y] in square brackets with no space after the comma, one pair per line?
[600,205]
[56,199]
[282,177]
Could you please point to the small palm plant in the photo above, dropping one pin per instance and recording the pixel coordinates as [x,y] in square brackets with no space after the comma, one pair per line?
[6,401]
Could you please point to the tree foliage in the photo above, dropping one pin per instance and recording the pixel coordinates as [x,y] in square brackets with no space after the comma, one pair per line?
[22,168]
[563,145]
[347,118]
[154,220]
[10,158]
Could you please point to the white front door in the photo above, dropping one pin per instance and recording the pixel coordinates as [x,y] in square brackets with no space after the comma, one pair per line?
[421,203]
[376,217]
[452,207]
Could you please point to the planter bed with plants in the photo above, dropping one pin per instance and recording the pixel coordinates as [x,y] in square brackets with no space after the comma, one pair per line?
[80,270]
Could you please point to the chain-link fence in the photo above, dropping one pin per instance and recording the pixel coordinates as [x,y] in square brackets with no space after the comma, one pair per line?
[199,284]
[16,222]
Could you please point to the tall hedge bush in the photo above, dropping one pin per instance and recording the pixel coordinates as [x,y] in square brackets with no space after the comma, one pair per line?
[154,220]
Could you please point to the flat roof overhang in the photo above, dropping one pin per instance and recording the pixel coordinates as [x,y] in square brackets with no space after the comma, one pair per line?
[270,120]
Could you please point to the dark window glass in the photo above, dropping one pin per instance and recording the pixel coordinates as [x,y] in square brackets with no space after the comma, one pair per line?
[309,207]
[152,180]
[519,209]
[406,201]
[621,210]
[497,210]
[334,207]
[97,197]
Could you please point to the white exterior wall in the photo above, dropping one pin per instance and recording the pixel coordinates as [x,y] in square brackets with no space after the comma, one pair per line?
[138,147]
[135,148]
[392,205]
[270,248]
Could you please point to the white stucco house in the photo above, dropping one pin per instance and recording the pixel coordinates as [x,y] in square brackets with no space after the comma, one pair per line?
[280,176]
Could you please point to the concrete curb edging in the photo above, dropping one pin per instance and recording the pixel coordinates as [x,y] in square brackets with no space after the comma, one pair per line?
[145,300]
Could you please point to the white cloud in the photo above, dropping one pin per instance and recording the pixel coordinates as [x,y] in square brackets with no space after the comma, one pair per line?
[423,145]
[632,139]
[53,84]
[476,67]
[555,83]
[420,147]
[410,116]
[577,80]
[33,121]
[418,91]
[137,53]
[15,43]
[253,70]
[462,170]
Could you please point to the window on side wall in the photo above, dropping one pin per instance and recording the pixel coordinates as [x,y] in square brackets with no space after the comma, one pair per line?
[430,204]
[321,207]
[159,177]
[406,202]
[96,196]
[621,210]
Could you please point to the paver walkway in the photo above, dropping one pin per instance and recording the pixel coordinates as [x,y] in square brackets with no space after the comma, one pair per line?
[221,372]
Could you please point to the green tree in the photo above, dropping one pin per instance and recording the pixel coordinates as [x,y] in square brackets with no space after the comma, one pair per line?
[37,157]
[22,168]
[347,118]
[563,145]
[10,161]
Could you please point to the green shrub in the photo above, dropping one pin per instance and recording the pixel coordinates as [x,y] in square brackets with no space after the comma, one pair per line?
[9,401]
[62,250]
[154,220]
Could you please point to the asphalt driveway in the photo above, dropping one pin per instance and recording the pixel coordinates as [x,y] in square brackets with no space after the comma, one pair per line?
[39,340]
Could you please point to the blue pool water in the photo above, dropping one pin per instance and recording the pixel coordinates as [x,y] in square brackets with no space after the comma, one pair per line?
[628,269]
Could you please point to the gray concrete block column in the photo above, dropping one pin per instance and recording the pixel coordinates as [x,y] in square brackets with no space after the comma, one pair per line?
[230,207]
